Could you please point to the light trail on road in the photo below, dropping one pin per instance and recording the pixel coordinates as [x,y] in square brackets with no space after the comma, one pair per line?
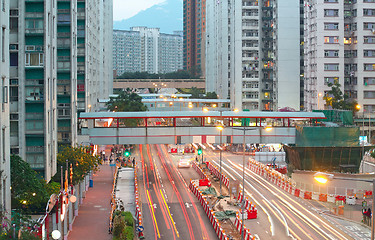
[153,213]
[187,192]
[306,223]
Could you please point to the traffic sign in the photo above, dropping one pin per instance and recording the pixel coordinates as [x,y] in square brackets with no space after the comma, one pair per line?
[140,228]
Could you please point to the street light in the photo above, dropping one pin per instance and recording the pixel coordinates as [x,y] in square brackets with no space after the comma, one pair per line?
[243,171]
[220,128]
[325,177]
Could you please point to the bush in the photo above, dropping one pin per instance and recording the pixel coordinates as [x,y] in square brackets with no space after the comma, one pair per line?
[128,219]
[128,233]
[118,226]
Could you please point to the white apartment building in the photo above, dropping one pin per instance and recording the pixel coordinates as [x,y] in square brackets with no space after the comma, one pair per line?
[5,200]
[33,115]
[339,47]
[170,52]
[60,65]
[145,49]
[253,53]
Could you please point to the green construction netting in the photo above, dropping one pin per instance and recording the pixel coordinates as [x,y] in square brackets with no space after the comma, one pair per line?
[331,159]
[225,214]
[209,191]
[327,136]
[343,117]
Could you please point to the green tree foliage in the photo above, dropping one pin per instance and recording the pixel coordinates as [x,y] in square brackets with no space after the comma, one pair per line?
[337,100]
[127,101]
[181,74]
[29,192]
[82,162]
[211,95]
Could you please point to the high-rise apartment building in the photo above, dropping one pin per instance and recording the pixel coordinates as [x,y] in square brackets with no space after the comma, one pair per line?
[339,47]
[146,50]
[84,55]
[33,115]
[253,53]
[60,64]
[194,21]
[5,205]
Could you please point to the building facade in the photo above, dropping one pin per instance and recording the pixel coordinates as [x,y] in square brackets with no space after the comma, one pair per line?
[33,115]
[146,50]
[339,47]
[60,64]
[253,53]
[5,204]
[194,21]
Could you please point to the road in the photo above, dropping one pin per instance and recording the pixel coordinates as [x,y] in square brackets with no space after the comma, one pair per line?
[282,215]
[170,210]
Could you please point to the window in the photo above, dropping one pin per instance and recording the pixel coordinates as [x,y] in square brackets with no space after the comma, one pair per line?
[331,26]
[34,59]
[369,53]
[350,53]
[368,94]
[369,67]
[369,39]
[13,94]
[331,67]
[369,81]
[331,80]
[331,12]
[34,24]
[331,1]
[13,59]
[349,40]
[369,1]
[3,44]
[330,39]
[331,53]
[5,94]
[368,12]
[368,25]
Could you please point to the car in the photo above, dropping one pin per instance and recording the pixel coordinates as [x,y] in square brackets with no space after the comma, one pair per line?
[184,163]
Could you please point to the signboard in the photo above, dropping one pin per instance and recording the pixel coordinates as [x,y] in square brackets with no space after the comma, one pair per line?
[140,228]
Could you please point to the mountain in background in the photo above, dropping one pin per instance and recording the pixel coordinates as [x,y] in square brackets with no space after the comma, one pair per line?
[167,16]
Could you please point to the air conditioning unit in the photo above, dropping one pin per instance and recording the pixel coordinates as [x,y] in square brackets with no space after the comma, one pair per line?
[373,31]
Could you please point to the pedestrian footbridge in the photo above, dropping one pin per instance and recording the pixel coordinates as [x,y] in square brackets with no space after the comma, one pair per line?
[104,128]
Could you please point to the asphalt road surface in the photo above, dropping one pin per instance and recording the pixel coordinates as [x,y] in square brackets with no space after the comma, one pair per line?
[170,210]
[282,215]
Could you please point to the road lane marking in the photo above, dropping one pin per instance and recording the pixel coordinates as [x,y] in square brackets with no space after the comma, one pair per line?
[153,214]
[174,225]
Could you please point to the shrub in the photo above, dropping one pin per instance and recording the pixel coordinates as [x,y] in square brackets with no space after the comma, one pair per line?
[128,233]
[118,226]
[128,219]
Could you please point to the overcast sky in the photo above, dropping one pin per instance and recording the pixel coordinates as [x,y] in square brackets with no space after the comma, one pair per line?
[123,9]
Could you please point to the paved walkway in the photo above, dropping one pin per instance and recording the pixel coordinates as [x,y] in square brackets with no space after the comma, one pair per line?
[93,217]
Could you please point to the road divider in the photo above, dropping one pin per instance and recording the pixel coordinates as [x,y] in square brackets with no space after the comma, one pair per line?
[215,171]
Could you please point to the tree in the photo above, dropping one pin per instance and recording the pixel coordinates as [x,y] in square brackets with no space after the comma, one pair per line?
[29,192]
[82,161]
[337,100]
[127,101]
[211,95]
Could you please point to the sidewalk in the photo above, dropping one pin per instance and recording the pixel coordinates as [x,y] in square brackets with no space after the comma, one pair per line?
[92,221]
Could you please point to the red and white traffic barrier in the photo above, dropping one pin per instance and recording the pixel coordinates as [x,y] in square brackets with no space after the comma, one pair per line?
[138,209]
[215,171]
[199,170]
[238,225]
[210,214]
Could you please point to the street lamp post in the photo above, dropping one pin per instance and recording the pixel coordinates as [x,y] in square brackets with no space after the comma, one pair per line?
[221,128]
[324,177]
[243,183]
